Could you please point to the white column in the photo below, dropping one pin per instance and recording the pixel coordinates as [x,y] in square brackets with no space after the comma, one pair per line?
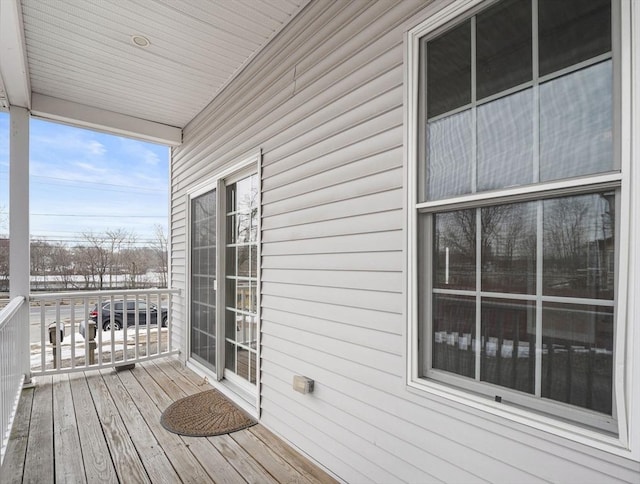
[19,267]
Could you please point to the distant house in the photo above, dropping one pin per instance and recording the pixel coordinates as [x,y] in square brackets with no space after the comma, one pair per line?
[430,210]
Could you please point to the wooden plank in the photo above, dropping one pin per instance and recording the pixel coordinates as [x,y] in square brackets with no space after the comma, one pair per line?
[306,467]
[241,460]
[199,383]
[98,466]
[123,452]
[154,460]
[38,466]
[279,468]
[183,461]
[13,466]
[233,452]
[178,378]
[210,459]
[213,461]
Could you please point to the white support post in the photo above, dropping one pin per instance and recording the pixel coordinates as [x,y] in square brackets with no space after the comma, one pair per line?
[19,267]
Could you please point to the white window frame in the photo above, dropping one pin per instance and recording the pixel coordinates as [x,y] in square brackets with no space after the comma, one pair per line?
[626,379]
[226,174]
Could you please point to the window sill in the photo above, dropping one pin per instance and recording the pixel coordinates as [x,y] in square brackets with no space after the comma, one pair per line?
[517,416]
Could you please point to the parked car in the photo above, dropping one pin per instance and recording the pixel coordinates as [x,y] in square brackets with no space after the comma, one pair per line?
[120,316]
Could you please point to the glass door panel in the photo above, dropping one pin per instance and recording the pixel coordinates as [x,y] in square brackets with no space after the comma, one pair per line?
[241,278]
[203,279]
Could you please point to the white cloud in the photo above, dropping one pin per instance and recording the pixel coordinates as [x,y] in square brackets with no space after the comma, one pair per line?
[96,148]
[139,152]
[91,169]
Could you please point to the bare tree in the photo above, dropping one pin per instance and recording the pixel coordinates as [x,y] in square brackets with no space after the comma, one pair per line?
[40,259]
[565,231]
[97,256]
[136,263]
[62,264]
[160,249]
[116,241]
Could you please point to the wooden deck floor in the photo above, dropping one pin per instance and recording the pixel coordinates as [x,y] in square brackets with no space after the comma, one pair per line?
[105,427]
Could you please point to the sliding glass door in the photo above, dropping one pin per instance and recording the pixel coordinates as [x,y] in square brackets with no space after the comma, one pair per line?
[224,317]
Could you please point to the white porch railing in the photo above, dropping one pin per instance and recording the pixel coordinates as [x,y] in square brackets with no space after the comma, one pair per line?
[13,334]
[95,331]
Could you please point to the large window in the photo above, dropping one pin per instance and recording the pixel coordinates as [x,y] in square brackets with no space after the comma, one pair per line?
[516,207]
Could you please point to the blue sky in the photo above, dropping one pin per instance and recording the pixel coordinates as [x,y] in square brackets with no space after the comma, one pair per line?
[82,181]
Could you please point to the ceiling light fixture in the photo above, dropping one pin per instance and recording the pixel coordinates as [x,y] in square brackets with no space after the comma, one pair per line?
[140,41]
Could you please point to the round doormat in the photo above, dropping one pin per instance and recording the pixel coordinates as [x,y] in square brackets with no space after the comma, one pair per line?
[204,414]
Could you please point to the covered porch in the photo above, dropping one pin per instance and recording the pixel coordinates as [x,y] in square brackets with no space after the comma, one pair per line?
[104,426]
[144,72]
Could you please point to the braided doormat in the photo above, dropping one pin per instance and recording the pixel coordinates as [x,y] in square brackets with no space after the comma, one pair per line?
[204,415]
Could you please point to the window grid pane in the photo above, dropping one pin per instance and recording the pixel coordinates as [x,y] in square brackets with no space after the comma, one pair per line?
[508,239]
[576,114]
[241,278]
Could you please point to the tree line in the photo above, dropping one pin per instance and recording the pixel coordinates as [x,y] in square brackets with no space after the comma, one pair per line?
[100,260]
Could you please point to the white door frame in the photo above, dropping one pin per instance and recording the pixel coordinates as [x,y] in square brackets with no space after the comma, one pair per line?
[244,395]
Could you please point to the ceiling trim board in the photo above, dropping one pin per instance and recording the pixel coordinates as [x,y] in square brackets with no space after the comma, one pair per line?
[76,114]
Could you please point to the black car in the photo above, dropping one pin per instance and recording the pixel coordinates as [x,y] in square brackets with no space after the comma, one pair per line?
[120,316]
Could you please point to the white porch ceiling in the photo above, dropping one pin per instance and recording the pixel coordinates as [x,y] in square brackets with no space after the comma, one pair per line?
[80,51]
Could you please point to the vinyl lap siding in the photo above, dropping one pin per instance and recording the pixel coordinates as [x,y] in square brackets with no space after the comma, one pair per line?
[324,102]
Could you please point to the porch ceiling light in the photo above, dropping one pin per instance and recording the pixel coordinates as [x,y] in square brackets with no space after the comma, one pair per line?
[140,41]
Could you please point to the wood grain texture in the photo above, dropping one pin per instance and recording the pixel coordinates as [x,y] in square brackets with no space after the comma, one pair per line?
[155,461]
[150,404]
[304,466]
[118,436]
[241,460]
[279,468]
[123,453]
[13,466]
[97,461]
[38,466]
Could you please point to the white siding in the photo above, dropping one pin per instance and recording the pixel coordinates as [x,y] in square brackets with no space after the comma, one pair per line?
[324,102]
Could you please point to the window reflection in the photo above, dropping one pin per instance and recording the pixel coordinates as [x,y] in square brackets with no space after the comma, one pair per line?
[454,324]
[508,344]
[503,46]
[454,258]
[577,355]
[241,277]
[579,246]
[572,31]
[509,248]
[449,70]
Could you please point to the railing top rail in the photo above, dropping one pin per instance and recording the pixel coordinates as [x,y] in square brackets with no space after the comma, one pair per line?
[111,292]
[10,310]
